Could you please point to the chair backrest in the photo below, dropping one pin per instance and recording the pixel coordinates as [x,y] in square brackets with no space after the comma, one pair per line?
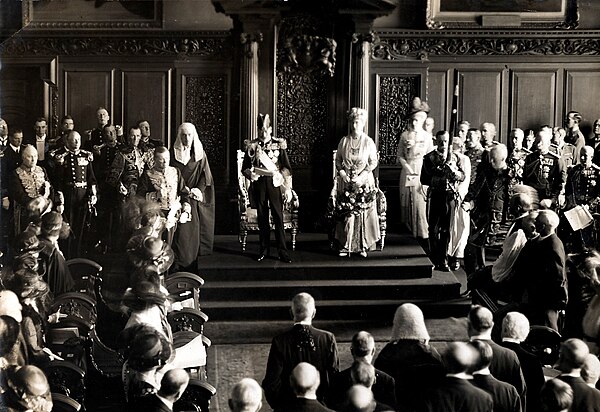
[67,379]
[184,285]
[63,403]
[80,310]
[543,342]
[187,319]
[243,182]
[85,272]
[108,362]
[198,394]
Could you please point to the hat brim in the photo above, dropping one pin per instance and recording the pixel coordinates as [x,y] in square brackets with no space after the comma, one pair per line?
[134,301]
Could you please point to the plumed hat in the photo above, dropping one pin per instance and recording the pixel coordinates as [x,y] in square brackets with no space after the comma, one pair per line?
[357,112]
[51,222]
[264,121]
[409,324]
[27,283]
[418,105]
[143,294]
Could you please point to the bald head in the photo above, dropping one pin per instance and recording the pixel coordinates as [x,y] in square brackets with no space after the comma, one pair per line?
[246,396]
[586,155]
[303,307]
[73,140]
[173,384]
[10,305]
[362,373]
[360,399]
[573,353]
[363,346]
[305,379]
[546,222]
[459,357]
[498,155]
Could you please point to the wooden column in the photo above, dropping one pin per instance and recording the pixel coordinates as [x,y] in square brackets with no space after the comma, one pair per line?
[361,75]
[249,84]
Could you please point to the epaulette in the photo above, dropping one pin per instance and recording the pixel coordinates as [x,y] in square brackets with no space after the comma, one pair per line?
[249,143]
[54,152]
[495,142]
[90,155]
[526,150]
[554,154]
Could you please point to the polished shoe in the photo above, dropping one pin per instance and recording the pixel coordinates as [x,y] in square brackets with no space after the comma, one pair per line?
[343,253]
[443,268]
[454,264]
[284,257]
[262,255]
[363,253]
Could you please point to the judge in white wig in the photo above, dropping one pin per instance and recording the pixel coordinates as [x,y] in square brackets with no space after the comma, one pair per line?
[196,237]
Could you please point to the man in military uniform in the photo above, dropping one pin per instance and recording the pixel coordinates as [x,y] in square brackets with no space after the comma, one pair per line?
[94,137]
[545,171]
[3,135]
[516,159]
[442,174]
[267,166]
[108,200]
[75,178]
[474,150]
[488,135]
[66,125]
[147,141]
[574,135]
[566,151]
[583,189]
[129,164]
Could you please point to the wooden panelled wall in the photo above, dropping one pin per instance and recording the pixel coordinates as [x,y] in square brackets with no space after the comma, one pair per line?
[511,79]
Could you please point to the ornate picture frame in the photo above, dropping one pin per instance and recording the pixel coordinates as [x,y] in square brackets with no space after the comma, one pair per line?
[99,14]
[457,14]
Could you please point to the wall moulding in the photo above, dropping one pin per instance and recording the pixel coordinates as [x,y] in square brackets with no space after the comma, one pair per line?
[205,44]
[396,45]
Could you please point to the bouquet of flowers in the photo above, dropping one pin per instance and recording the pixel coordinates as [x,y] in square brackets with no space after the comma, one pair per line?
[355,199]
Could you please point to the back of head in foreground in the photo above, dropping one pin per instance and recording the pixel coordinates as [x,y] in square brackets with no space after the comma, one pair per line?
[556,396]
[173,384]
[305,380]
[409,324]
[515,326]
[363,346]
[590,371]
[480,320]
[573,353]
[359,399]
[246,396]
[459,357]
[303,307]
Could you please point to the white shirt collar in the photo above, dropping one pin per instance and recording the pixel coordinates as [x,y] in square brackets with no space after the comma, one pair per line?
[484,371]
[40,138]
[15,148]
[482,336]
[461,375]
[308,396]
[574,374]
[303,322]
[544,237]
[512,340]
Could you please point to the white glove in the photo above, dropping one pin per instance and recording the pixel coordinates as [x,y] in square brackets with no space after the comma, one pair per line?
[197,194]
[122,189]
[287,196]
[5,203]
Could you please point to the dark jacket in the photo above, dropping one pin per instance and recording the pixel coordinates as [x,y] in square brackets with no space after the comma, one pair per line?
[151,403]
[456,395]
[383,389]
[302,343]
[585,399]
[504,395]
[532,372]
[305,405]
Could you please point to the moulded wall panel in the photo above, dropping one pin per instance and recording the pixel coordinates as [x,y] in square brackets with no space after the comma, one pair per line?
[146,96]
[480,98]
[533,99]
[582,91]
[84,92]
[437,98]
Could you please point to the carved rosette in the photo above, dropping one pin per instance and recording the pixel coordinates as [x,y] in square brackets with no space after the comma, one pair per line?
[399,46]
[302,114]
[395,96]
[116,46]
[205,106]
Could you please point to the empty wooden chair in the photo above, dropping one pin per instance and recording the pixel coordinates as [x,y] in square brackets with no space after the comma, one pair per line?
[187,319]
[543,342]
[63,403]
[183,286]
[84,273]
[67,379]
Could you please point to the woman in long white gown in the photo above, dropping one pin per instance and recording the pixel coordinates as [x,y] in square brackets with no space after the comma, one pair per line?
[414,144]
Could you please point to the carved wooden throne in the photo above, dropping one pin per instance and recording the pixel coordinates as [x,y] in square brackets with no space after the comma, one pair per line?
[248,215]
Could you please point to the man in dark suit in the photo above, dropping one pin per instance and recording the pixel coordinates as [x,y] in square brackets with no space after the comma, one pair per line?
[305,381]
[505,396]
[363,350]
[505,364]
[573,353]
[302,343]
[455,393]
[246,396]
[172,386]
[515,328]
[10,159]
[41,141]
[541,269]
[363,373]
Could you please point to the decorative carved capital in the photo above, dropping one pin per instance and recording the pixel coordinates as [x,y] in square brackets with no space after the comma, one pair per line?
[360,38]
[247,39]
[306,53]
